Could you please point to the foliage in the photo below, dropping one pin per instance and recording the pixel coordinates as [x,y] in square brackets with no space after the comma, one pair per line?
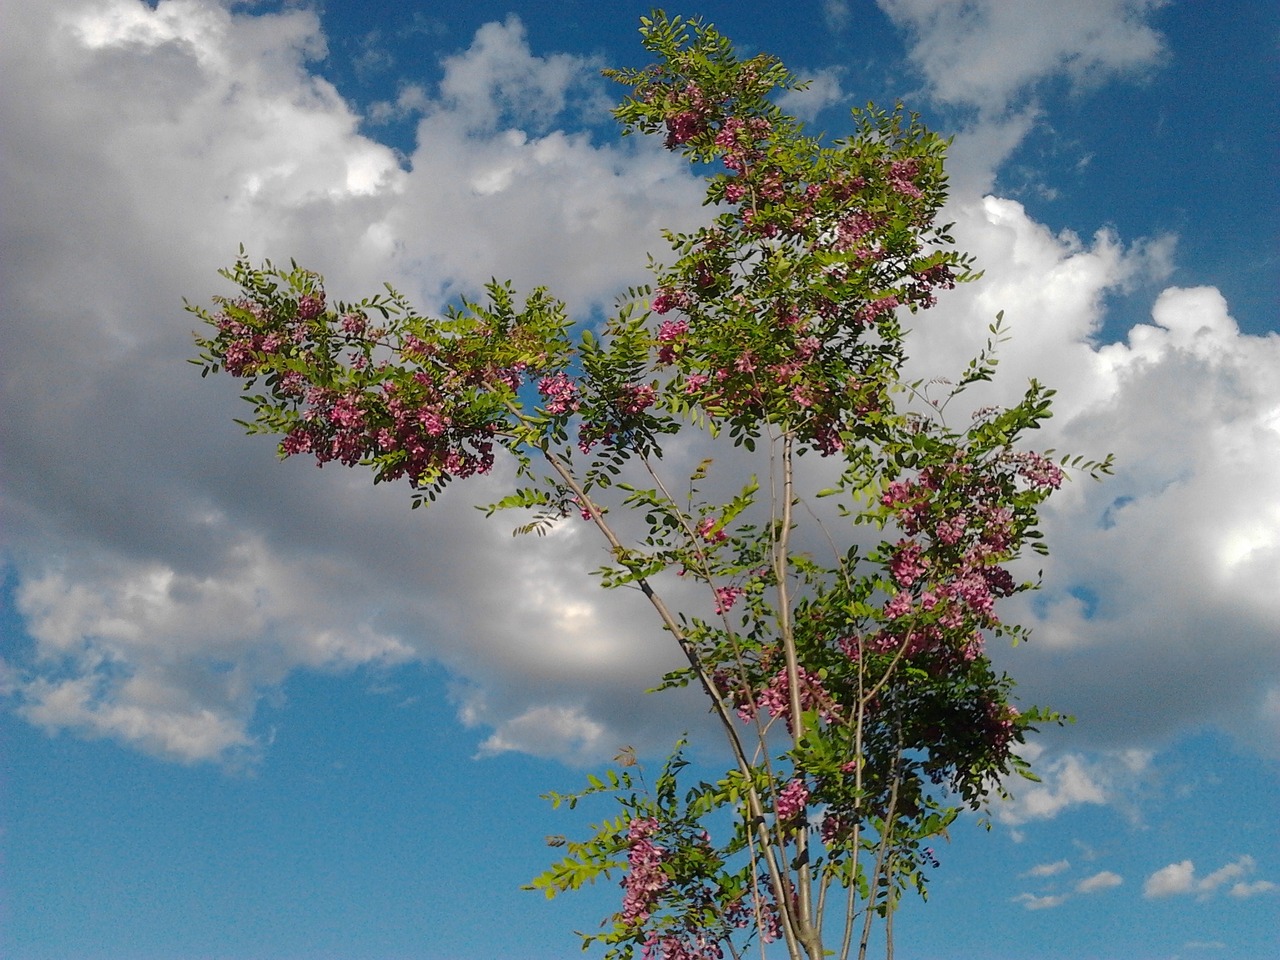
[860,710]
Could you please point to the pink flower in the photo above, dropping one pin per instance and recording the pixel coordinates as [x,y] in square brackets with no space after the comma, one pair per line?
[908,564]
[852,228]
[898,606]
[297,440]
[902,174]
[560,394]
[951,530]
[645,879]
[310,307]
[636,398]
[726,597]
[792,800]
[670,298]
[683,127]
[870,312]
[695,382]
[671,330]
[1039,471]
[706,530]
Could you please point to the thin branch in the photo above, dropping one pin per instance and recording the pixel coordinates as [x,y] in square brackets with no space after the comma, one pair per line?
[754,804]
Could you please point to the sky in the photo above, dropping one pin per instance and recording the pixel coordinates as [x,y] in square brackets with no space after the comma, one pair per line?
[258,711]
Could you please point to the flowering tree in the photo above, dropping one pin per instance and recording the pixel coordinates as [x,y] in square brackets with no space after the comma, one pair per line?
[859,709]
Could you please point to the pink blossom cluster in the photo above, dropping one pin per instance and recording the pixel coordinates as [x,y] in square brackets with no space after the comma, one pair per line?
[832,827]
[869,313]
[902,177]
[669,298]
[688,117]
[909,563]
[851,228]
[1000,725]
[920,291]
[645,879]
[726,597]
[245,344]
[683,127]
[738,139]
[792,800]
[774,698]
[411,421]
[707,530]
[634,399]
[967,594]
[559,393]
[1038,470]
[671,333]
[429,439]
[311,306]
[947,591]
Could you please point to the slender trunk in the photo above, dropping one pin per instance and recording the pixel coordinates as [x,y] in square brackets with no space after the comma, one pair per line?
[809,931]
[793,933]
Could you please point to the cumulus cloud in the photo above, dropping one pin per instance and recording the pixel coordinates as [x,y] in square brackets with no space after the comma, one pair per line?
[1179,878]
[1159,583]
[1244,890]
[1048,869]
[1032,902]
[985,53]
[1099,881]
[835,13]
[171,574]
[1066,781]
[989,58]
[822,90]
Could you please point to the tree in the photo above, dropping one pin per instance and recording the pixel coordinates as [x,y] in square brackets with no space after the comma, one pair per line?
[848,674]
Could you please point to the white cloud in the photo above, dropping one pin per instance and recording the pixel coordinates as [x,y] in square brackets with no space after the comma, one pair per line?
[1065,782]
[559,727]
[1225,874]
[172,574]
[1181,544]
[1099,881]
[835,13]
[823,90]
[498,77]
[1180,878]
[1032,902]
[985,53]
[992,56]
[1244,890]
[1048,869]
[1167,881]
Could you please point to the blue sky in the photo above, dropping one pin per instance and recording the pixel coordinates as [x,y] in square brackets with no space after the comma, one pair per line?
[256,711]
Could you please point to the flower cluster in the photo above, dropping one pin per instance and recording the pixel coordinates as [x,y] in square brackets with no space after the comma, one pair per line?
[792,801]
[421,426]
[559,393]
[708,530]
[773,697]
[645,878]
[1037,470]
[726,597]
